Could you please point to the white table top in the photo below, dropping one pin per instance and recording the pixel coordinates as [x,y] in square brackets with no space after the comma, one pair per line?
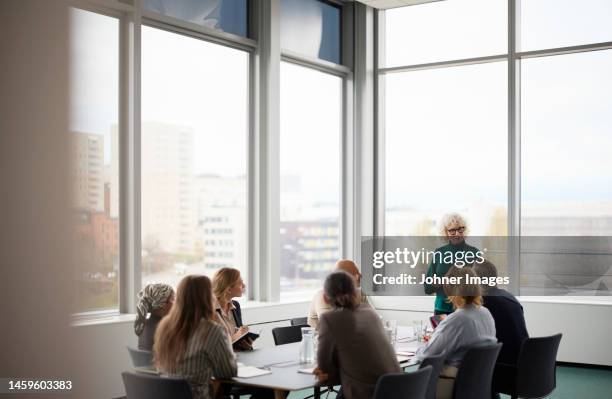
[283,361]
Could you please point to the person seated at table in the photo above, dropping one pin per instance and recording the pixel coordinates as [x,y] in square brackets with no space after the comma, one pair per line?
[228,284]
[470,324]
[353,347]
[510,326]
[189,344]
[156,300]
[318,306]
[454,228]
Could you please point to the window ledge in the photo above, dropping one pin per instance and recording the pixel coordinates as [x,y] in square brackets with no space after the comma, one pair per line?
[85,320]
[601,301]
[94,319]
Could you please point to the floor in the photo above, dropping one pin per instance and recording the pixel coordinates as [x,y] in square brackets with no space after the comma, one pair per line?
[572,383]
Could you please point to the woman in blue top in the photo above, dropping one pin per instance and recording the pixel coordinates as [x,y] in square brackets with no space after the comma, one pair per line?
[454,229]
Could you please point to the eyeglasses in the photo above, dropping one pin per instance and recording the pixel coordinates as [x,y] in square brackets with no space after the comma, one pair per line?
[456,230]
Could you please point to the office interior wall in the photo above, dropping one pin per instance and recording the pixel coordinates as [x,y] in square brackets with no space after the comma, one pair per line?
[36,270]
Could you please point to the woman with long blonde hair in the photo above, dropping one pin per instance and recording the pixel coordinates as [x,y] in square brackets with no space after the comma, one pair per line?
[228,284]
[189,344]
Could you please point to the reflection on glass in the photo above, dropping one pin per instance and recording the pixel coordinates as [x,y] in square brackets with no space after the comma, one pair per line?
[310,169]
[226,15]
[554,23]
[312,28]
[194,160]
[446,149]
[95,177]
[566,141]
[445,30]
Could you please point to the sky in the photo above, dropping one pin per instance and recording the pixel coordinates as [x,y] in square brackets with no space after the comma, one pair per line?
[453,121]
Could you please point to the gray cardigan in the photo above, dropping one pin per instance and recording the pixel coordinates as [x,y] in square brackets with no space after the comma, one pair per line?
[463,328]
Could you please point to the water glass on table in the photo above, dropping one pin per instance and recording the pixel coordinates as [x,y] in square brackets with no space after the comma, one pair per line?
[391,330]
[418,329]
[307,346]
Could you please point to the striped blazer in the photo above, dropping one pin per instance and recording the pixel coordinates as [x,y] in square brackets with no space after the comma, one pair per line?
[209,354]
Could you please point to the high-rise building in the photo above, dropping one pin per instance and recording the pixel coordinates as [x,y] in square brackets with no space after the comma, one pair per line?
[168,208]
[87,165]
[222,220]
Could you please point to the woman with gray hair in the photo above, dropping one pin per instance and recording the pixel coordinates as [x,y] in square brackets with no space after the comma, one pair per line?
[454,229]
[353,346]
[157,300]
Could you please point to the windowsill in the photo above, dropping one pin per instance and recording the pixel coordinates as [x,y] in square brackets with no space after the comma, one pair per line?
[84,320]
[604,301]
[102,318]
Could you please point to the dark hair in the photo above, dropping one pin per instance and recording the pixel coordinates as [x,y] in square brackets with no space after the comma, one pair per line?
[485,269]
[463,293]
[340,290]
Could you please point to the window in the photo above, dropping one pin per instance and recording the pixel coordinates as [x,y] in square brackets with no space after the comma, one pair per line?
[311,28]
[225,15]
[310,173]
[445,30]
[94,135]
[194,156]
[554,23]
[443,120]
[566,142]
[446,149]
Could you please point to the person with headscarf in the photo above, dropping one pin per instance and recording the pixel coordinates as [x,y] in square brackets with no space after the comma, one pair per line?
[154,299]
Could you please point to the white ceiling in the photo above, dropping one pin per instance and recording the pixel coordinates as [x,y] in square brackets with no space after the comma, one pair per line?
[384,4]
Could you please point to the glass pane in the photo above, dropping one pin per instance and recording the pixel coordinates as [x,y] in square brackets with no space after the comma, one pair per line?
[312,28]
[446,149]
[555,23]
[194,159]
[94,116]
[310,170]
[226,15]
[566,142]
[445,30]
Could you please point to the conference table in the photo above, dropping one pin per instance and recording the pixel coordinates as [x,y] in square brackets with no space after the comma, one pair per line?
[283,363]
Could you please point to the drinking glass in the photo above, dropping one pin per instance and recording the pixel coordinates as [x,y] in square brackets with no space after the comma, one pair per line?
[391,328]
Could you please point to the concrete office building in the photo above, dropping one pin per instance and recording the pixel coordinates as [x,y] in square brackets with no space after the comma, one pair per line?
[87,163]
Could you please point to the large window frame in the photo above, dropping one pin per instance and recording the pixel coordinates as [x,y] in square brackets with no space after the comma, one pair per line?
[513,57]
[263,163]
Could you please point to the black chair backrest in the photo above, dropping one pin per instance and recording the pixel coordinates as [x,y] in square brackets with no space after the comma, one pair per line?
[403,385]
[147,386]
[537,365]
[299,321]
[476,372]
[287,335]
[436,363]
[140,358]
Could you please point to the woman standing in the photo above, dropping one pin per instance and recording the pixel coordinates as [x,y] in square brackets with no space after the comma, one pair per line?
[454,229]
[189,344]
[157,300]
